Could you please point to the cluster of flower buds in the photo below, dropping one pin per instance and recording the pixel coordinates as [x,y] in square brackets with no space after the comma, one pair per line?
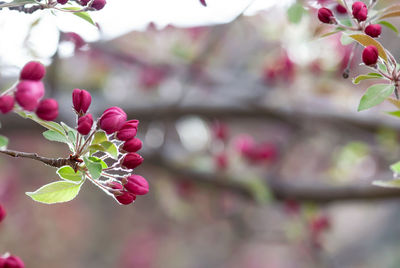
[122,132]
[359,12]
[11,261]
[29,93]
[96,4]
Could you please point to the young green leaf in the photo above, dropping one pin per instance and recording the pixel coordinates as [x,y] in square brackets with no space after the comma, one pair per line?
[388,184]
[105,146]
[346,40]
[68,173]
[3,141]
[395,167]
[56,192]
[295,12]
[394,113]
[94,166]
[47,124]
[52,135]
[389,25]
[362,77]
[99,137]
[375,95]
[82,15]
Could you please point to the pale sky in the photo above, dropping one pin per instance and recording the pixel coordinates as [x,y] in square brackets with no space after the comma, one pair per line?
[118,17]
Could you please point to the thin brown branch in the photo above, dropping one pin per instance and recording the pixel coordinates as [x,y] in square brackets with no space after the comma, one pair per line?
[304,192]
[53,162]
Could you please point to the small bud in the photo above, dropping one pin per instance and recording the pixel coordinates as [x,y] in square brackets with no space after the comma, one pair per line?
[340,9]
[128,130]
[360,11]
[112,119]
[131,160]
[370,55]
[84,2]
[33,70]
[47,109]
[373,30]
[62,2]
[81,100]
[98,4]
[13,262]
[6,104]
[136,185]
[29,93]
[125,198]
[325,15]
[132,145]
[3,214]
[85,124]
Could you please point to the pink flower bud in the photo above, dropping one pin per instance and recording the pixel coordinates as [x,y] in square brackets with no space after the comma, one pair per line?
[373,30]
[85,124]
[29,93]
[112,119]
[136,184]
[125,198]
[6,104]
[341,9]
[370,55]
[128,130]
[131,160]
[203,2]
[3,213]
[132,145]
[62,2]
[13,262]
[33,70]
[81,100]
[360,11]
[98,4]
[84,2]
[325,15]
[47,109]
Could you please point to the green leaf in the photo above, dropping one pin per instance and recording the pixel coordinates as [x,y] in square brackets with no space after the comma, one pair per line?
[389,25]
[375,95]
[388,184]
[362,77]
[98,160]
[382,67]
[52,135]
[82,15]
[394,113]
[68,173]
[56,192]
[72,133]
[295,12]
[47,124]
[346,40]
[99,137]
[395,167]
[3,141]
[107,147]
[94,166]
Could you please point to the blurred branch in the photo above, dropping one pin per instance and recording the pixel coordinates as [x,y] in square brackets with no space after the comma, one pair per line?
[305,192]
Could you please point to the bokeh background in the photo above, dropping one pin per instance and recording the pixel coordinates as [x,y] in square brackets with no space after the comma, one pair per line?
[241,107]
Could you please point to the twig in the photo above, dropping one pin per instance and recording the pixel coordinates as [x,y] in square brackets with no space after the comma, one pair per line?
[53,162]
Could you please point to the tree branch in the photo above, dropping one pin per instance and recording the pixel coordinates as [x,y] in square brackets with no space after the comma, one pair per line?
[304,192]
[53,162]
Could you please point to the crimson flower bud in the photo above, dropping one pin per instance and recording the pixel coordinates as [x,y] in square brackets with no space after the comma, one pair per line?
[370,55]
[62,2]
[3,214]
[13,262]
[325,15]
[125,198]
[81,100]
[203,2]
[84,2]
[136,185]
[33,70]
[373,30]
[85,124]
[128,130]
[47,109]
[98,4]
[29,93]
[341,9]
[6,104]
[360,11]
[112,119]
[131,160]
[132,145]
